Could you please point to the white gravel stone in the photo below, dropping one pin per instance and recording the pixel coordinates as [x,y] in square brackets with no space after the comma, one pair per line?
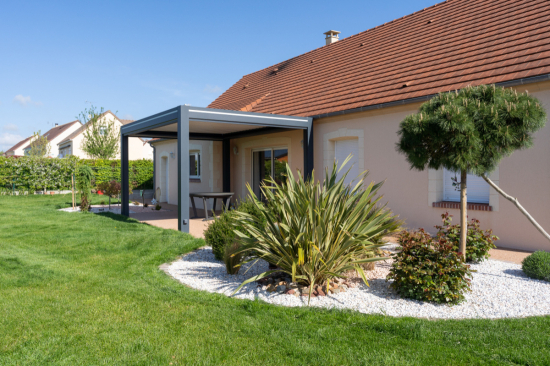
[499,290]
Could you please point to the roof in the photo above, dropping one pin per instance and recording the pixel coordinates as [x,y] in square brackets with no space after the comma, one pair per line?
[58,130]
[83,127]
[444,47]
[20,144]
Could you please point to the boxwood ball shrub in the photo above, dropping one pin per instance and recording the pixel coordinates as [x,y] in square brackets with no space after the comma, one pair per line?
[221,233]
[429,269]
[537,265]
[478,242]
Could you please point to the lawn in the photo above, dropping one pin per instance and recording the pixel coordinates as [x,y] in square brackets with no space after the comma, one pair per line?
[85,289]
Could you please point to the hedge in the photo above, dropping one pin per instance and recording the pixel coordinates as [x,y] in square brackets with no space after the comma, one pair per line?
[52,173]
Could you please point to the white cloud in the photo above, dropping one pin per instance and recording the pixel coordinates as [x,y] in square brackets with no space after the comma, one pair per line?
[212,89]
[7,140]
[24,101]
[10,127]
[127,116]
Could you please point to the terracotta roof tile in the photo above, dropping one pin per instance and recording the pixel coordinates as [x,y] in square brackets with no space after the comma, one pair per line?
[467,42]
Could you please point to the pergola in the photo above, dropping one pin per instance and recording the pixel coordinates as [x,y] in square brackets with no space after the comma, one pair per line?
[185,123]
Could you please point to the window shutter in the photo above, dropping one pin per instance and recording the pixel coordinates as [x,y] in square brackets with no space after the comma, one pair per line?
[477,189]
[342,149]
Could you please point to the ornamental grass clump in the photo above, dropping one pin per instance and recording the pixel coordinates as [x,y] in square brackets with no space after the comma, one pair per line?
[315,232]
[429,269]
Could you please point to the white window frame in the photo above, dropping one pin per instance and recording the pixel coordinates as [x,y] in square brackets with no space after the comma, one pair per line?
[197,155]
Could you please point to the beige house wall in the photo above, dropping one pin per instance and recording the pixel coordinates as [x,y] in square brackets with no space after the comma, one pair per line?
[211,170]
[241,162]
[410,194]
[211,162]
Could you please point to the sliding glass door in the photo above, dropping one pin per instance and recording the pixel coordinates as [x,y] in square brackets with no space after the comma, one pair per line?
[267,163]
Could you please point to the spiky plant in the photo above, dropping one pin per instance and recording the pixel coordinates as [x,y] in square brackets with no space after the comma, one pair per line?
[315,232]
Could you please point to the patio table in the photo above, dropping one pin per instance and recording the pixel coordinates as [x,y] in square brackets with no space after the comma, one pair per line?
[224,196]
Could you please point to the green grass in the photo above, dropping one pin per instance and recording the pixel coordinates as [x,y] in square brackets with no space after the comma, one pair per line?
[85,289]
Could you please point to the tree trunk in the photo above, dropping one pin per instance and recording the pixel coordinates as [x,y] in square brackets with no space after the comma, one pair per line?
[463,213]
[516,202]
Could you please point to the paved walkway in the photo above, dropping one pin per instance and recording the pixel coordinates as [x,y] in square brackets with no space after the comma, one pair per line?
[167,218]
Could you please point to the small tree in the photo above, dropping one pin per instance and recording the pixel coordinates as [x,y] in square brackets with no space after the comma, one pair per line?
[39,146]
[470,132]
[101,136]
[84,176]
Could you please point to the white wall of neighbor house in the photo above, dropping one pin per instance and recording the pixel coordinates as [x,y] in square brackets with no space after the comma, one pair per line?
[166,174]
[410,193]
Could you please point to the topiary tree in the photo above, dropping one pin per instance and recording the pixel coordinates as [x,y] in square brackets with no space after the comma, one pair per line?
[470,131]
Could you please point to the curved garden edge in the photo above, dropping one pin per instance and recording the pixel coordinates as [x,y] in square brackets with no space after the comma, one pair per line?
[499,290]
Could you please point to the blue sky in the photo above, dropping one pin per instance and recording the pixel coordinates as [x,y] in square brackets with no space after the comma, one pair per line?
[139,58]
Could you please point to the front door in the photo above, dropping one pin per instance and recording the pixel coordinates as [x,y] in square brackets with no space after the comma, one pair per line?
[267,163]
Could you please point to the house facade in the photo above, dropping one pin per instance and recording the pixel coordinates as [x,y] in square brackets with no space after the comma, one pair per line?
[55,135]
[358,89]
[71,144]
[19,148]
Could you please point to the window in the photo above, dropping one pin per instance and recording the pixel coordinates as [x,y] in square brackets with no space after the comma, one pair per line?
[102,130]
[477,189]
[342,149]
[194,164]
[268,163]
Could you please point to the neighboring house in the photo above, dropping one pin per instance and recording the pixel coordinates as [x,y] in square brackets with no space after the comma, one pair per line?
[357,91]
[19,148]
[56,135]
[71,144]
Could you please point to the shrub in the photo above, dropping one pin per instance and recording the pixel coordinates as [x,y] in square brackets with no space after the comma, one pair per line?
[429,269]
[221,233]
[84,176]
[314,232]
[537,265]
[478,242]
[158,207]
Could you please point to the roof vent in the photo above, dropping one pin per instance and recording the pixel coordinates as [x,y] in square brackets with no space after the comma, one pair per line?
[331,36]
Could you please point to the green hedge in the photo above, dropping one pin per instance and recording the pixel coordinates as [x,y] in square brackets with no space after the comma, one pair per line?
[51,173]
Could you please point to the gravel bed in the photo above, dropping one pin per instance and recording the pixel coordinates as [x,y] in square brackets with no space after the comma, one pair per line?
[499,290]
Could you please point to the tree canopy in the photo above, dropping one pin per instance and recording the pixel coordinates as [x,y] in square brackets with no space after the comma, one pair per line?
[471,129]
[101,136]
[39,146]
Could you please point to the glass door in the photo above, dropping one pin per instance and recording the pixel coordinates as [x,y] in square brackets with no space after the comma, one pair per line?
[267,163]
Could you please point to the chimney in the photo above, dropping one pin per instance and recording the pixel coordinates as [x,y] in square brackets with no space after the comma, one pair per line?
[57,124]
[331,36]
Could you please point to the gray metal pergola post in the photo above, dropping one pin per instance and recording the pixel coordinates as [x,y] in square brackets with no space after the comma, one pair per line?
[183,170]
[124,177]
[176,123]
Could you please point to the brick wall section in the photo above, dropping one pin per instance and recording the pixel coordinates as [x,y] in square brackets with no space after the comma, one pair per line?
[471,206]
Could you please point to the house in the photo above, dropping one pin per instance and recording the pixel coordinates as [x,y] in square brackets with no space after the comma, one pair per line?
[71,144]
[19,148]
[55,135]
[349,97]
